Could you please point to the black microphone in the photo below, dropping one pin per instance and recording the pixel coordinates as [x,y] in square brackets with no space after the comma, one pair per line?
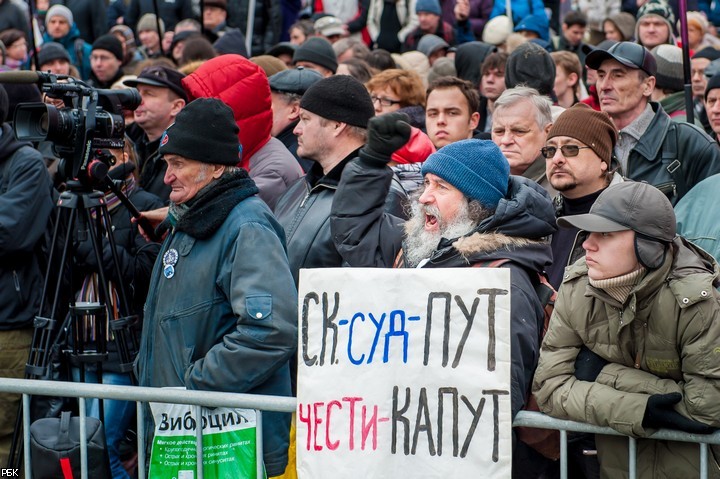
[21,76]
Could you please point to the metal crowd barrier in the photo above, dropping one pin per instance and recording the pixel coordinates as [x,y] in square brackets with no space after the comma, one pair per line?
[539,420]
[142,395]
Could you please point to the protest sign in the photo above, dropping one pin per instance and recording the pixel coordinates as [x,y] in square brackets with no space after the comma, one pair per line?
[404,371]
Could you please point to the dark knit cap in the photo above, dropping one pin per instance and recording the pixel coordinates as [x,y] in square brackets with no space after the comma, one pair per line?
[52,51]
[110,43]
[712,83]
[708,52]
[475,167]
[204,131]
[530,65]
[669,74]
[339,98]
[4,105]
[232,42]
[317,50]
[593,128]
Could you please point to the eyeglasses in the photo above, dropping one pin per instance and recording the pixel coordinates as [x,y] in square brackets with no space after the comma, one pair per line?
[384,101]
[568,151]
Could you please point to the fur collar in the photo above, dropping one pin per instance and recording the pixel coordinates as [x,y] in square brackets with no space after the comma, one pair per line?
[480,242]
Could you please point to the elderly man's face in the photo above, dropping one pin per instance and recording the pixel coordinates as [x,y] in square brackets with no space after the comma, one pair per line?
[285,111]
[441,202]
[516,131]
[697,73]
[441,211]
[610,254]
[622,91]
[186,177]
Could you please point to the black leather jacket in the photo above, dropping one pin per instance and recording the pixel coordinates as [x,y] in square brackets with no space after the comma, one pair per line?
[672,156]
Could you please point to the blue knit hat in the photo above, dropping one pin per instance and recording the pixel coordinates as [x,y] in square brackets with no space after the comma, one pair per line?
[431,6]
[475,167]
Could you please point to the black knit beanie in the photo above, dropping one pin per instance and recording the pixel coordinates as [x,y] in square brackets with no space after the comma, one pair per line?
[317,50]
[339,98]
[205,131]
[52,51]
[713,83]
[110,43]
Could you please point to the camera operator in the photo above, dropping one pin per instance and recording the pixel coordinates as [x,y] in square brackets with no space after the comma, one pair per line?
[136,258]
[25,205]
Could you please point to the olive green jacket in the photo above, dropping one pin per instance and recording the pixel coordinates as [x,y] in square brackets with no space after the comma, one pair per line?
[664,338]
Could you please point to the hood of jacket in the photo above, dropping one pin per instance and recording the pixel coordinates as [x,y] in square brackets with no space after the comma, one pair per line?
[469,58]
[8,142]
[518,231]
[243,86]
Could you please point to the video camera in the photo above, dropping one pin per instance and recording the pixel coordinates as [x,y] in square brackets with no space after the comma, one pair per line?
[91,120]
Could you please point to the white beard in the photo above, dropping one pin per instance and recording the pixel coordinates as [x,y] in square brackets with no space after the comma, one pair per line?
[421,244]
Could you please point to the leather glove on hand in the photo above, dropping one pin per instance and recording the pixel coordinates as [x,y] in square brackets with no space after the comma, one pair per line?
[660,414]
[588,365]
[386,134]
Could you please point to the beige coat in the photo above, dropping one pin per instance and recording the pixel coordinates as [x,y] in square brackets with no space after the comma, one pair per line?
[664,338]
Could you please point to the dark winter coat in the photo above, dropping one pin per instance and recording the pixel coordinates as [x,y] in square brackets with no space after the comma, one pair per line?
[266,27]
[666,141]
[304,213]
[227,319]
[365,236]
[25,208]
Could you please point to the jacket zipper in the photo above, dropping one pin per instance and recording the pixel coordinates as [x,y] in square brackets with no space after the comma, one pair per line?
[16,280]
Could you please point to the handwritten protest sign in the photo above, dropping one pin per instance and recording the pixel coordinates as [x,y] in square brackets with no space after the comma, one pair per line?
[404,371]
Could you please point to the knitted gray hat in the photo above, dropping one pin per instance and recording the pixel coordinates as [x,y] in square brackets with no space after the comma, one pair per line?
[669,74]
[59,10]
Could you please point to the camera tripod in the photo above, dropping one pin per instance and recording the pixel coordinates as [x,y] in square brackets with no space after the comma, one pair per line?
[85,214]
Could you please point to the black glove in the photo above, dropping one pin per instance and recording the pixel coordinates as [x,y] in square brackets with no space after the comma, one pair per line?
[386,134]
[660,414]
[588,365]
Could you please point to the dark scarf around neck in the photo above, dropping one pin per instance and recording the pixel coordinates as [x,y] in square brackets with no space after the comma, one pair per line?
[208,211]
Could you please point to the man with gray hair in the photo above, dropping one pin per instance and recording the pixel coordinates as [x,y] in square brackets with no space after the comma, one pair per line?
[521,121]
[221,313]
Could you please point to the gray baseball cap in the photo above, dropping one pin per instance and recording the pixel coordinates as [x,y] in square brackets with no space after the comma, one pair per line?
[630,54]
[635,206]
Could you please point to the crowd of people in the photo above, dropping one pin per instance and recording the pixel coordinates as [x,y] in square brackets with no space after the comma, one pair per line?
[407,133]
